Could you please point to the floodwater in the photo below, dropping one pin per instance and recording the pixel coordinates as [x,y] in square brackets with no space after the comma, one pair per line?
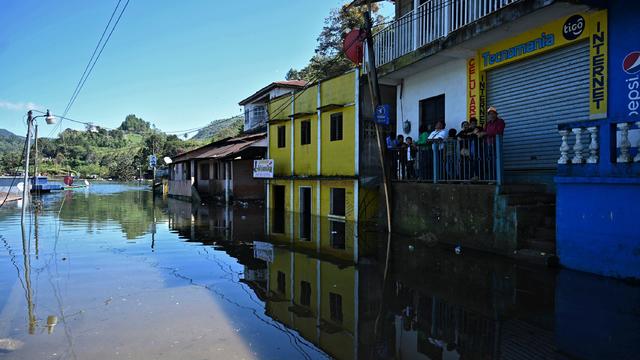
[111,273]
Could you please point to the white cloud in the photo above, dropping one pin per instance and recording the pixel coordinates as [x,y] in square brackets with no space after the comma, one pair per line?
[19,106]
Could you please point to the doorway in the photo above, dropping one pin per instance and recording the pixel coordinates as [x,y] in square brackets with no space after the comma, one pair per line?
[278,209]
[305,213]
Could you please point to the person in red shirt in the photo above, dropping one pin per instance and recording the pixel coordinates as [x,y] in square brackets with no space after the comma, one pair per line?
[495,125]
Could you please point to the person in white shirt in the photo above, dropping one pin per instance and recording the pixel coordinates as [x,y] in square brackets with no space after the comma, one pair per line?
[439,133]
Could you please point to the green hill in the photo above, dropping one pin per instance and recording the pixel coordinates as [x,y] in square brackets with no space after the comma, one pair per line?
[10,141]
[220,129]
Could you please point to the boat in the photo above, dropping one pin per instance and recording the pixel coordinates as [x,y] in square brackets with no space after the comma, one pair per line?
[41,184]
[68,181]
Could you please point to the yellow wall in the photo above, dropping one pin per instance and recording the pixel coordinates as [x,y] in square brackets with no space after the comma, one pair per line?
[307,101]
[306,156]
[341,282]
[338,157]
[281,156]
[338,90]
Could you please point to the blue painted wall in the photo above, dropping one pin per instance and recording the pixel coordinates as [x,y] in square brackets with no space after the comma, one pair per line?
[598,225]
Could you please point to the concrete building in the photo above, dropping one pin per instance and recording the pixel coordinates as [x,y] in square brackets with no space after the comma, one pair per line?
[316,141]
[548,67]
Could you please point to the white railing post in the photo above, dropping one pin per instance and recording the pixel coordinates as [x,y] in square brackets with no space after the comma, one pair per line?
[578,158]
[637,158]
[594,146]
[625,145]
[415,20]
[564,148]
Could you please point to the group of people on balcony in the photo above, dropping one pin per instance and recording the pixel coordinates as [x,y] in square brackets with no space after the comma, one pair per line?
[465,155]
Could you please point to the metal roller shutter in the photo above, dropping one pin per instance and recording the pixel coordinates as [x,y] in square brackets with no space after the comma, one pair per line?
[533,96]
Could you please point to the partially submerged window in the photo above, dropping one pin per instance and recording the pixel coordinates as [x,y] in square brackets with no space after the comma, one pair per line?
[338,201]
[338,234]
[305,213]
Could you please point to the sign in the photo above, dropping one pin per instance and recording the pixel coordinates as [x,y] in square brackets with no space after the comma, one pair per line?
[624,62]
[263,169]
[263,251]
[591,26]
[383,114]
[153,161]
[598,66]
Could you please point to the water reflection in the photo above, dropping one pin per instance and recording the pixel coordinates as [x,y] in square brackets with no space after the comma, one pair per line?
[121,274]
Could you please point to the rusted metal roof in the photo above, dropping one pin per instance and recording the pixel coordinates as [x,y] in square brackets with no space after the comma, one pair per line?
[222,149]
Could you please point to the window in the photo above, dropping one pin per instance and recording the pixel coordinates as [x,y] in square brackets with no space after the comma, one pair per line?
[281,282]
[336,126]
[278,209]
[282,136]
[335,307]
[216,172]
[338,201]
[337,236]
[305,213]
[305,293]
[204,171]
[305,132]
[431,111]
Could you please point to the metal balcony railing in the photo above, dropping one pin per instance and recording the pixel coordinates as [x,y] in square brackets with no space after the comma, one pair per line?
[429,22]
[449,161]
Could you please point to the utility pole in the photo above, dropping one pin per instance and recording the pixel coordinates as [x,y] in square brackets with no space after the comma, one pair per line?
[26,187]
[374,87]
[35,152]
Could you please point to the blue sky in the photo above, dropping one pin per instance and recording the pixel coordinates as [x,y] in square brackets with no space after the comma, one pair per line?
[177,64]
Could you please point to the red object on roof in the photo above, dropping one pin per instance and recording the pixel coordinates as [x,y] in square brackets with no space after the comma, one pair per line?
[353,45]
[291,82]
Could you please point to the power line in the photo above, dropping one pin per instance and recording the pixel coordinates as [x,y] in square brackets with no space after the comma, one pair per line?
[98,56]
[86,68]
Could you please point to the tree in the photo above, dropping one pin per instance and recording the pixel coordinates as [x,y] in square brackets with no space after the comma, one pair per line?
[123,167]
[135,124]
[329,59]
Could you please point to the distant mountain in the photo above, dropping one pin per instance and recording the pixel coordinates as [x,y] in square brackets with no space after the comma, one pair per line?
[10,141]
[220,129]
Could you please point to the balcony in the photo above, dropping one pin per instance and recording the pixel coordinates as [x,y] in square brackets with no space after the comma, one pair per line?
[431,21]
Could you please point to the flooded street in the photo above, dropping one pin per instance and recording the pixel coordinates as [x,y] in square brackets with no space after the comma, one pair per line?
[110,273]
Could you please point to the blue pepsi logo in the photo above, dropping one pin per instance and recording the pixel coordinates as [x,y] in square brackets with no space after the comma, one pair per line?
[631,63]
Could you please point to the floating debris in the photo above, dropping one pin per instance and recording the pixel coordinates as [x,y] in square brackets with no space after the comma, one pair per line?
[7,344]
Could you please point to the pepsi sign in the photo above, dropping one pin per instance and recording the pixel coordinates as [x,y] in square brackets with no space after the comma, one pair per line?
[631,63]
[624,62]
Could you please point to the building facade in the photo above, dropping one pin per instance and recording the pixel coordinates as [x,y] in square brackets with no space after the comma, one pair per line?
[316,190]
[563,76]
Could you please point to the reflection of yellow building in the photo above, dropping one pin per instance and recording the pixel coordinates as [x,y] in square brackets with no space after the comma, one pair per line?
[316,196]
[316,298]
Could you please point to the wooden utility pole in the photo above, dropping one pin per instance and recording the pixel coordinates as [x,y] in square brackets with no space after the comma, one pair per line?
[374,87]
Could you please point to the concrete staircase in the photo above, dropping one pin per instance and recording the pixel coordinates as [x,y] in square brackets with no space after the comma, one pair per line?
[536,221]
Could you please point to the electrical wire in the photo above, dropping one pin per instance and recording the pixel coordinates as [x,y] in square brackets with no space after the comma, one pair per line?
[76,90]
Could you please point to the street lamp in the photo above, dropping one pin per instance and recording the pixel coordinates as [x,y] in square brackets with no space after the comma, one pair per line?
[50,119]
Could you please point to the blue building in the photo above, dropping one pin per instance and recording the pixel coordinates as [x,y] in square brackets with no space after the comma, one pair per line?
[598,197]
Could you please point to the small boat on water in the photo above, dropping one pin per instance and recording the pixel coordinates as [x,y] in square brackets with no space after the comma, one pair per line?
[41,184]
[69,185]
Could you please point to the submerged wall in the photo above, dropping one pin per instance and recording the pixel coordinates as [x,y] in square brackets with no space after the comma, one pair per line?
[471,216]
[597,227]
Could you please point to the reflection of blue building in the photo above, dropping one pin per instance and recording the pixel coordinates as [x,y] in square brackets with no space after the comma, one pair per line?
[598,197]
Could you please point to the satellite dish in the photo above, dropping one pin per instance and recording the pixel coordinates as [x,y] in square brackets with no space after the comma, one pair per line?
[86,182]
[20,186]
[167,160]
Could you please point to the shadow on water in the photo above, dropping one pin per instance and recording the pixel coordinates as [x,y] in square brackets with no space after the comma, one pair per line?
[282,285]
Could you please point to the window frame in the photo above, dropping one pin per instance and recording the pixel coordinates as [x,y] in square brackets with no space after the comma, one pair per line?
[336,126]
[305,132]
[282,136]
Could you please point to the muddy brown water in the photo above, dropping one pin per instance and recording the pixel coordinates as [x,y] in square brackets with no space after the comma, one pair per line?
[110,272]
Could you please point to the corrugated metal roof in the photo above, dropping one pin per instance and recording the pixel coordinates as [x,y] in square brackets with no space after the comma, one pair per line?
[223,148]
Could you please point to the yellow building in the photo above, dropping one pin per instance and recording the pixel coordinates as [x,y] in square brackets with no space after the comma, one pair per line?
[316,197]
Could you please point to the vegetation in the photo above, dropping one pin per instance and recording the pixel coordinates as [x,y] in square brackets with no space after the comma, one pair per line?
[329,59]
[220,129]
[120,154]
